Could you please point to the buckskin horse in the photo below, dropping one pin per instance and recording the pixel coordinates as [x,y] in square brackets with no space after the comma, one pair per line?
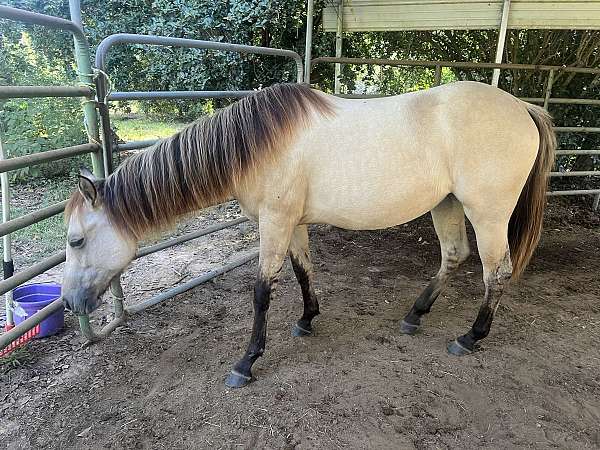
[294,156]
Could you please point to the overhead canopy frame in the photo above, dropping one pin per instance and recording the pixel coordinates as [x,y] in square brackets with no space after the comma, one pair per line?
[341,16]
[398,15]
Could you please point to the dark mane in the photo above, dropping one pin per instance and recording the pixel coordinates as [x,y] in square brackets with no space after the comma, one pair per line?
[200,165]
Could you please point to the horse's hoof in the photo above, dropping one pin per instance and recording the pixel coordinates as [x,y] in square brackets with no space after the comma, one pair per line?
[237,380]
[299,331]
[457,349]
[408,328]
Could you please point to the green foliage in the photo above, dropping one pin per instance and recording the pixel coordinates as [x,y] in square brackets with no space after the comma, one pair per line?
[30,126]
[269,23]
[138,129]
[18,357]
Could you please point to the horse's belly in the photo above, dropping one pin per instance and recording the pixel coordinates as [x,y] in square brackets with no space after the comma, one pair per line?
[370,206]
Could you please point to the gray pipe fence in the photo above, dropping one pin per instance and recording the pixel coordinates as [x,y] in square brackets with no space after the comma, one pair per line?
[84,91]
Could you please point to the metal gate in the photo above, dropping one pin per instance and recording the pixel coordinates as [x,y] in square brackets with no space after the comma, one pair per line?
[93,87]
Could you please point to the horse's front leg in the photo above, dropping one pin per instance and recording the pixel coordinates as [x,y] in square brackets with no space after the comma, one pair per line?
[275,234]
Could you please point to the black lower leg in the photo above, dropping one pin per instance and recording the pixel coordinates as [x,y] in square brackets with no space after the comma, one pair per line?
[422,306]
[494,287]
[465,344]
[424,302]
[242,370]
[311,305]
[479,330]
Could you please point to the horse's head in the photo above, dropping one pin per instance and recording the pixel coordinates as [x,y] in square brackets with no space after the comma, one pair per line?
[96,250]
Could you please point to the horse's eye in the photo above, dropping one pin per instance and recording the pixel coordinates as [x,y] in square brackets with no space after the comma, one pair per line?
[76,242]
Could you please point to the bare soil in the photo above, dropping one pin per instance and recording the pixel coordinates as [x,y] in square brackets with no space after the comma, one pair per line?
[358,382]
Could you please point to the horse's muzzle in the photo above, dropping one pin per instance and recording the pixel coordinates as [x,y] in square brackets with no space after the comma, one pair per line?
[81,305]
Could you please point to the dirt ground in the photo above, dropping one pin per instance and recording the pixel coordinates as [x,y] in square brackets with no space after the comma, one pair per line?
[358,382]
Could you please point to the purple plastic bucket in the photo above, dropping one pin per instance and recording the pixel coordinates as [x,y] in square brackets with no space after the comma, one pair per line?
[30,298]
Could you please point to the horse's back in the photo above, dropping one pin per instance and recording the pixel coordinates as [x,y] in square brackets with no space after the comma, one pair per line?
[381,162]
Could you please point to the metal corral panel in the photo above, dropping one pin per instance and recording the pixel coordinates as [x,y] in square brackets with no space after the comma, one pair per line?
[394,15]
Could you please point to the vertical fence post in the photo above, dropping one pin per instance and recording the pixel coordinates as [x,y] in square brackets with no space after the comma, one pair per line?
[107,138]
[547,95]
[501,41]
[338,45]
[548,89]
[7,262]
[308,44]
[437,79]
[84,68]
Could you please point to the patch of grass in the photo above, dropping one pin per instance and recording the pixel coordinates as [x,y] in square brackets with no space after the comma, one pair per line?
[14,359]
[137,129]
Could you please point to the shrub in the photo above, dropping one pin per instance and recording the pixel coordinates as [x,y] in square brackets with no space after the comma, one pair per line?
[36,125]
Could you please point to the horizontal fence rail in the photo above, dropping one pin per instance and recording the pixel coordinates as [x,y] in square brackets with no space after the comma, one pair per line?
[175,95]
[125,38]
[136,145]
[188,237]
[577,152]
[563,101]
[455,64]
[29,219]
[192,283]
[575,192]
[29,323]
[31,272]
[577,129]
[20,15]
[582,173]
[45,91]
[34,159]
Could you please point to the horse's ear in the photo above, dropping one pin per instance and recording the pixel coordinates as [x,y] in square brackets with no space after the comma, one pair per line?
[87,173]
[88,186]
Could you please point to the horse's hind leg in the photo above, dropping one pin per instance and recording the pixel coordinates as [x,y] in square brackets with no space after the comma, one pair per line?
[492,242]
[449,222]
[300,256]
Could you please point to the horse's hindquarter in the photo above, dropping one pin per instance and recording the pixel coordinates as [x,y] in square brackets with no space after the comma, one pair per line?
[494,143]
